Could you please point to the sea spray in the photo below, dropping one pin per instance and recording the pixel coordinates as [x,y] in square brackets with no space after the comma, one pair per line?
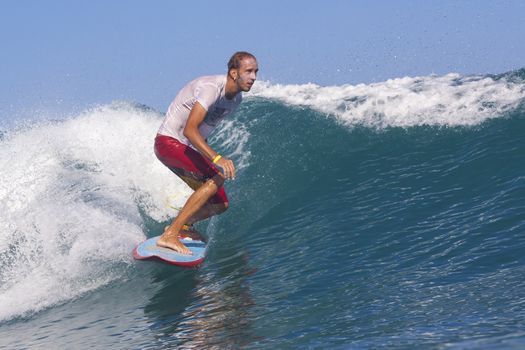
[449,100]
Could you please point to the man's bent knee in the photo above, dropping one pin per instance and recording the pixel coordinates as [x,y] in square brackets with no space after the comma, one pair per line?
[212,185]
[218,180]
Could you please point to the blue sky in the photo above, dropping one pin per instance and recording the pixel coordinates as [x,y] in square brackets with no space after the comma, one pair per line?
[62,56]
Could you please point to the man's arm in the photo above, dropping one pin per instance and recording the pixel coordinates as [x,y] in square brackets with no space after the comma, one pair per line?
[191,131]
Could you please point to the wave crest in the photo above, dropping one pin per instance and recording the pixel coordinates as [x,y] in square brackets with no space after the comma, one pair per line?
[449,100]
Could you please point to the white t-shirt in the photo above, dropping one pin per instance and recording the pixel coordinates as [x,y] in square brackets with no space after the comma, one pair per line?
[209,92]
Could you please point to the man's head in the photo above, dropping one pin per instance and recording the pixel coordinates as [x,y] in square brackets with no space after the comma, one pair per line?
[242,69]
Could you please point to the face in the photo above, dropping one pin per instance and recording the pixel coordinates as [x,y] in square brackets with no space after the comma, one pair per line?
[247,74]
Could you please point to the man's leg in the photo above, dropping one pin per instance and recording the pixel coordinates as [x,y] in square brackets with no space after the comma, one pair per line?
[193,209]
[207,211]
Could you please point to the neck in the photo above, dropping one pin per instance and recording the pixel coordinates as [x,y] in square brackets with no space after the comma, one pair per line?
[231,89]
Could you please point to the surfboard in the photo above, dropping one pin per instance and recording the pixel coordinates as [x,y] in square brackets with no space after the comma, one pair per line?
[149,250]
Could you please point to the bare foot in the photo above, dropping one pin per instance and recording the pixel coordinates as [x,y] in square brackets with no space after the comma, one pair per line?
[171,241]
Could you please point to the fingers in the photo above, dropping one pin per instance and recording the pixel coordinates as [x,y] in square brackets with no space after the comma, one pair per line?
[228,168]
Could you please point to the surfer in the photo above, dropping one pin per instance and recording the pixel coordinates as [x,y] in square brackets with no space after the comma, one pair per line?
[181,143]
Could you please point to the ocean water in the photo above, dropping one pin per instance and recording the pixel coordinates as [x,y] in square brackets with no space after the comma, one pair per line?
[388,215]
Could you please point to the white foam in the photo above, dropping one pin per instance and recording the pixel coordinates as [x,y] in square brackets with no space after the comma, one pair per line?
[234,136]
[449,100]
[70,194]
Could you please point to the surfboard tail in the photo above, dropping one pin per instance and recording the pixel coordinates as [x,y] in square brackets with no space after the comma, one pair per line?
[137,256]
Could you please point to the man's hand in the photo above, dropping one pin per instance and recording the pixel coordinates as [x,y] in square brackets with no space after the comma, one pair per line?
[227,167]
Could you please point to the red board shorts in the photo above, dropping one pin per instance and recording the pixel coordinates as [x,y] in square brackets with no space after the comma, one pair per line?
[188,164]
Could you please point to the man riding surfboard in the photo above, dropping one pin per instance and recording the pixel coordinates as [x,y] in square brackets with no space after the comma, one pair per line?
[181,143]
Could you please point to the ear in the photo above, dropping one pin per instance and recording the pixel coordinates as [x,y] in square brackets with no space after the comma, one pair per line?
[234,74]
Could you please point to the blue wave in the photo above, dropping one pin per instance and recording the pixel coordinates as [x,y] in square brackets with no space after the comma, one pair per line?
[352,223]
[401,232]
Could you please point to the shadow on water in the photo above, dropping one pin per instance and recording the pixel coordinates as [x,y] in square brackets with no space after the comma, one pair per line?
[203,307]
[174,295]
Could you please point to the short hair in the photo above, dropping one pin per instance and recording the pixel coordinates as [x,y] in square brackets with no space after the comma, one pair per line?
[235,60]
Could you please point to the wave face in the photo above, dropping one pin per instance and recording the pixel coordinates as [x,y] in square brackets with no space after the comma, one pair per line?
[382,215]
[71,193]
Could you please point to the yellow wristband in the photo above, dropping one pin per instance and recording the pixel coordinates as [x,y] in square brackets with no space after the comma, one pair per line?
[216,159]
